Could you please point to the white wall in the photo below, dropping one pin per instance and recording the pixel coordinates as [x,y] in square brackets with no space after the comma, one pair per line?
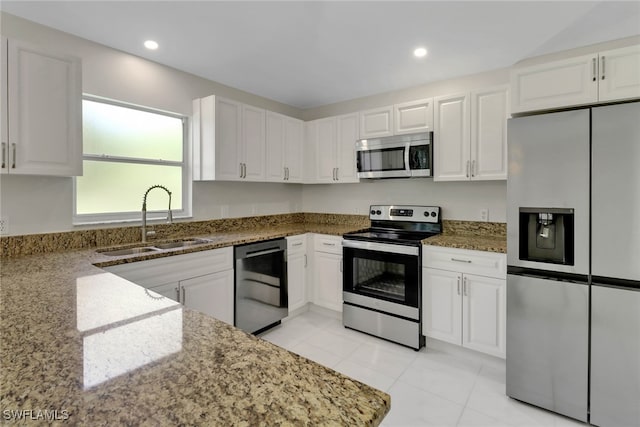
[44,204]
[459,200]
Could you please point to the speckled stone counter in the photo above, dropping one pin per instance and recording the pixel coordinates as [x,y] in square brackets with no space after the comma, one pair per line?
[477,236]
[86,347]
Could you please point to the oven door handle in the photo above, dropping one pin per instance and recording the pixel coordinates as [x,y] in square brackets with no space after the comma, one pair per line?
[381,247]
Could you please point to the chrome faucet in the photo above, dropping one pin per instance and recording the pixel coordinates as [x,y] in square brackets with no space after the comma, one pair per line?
[144,210]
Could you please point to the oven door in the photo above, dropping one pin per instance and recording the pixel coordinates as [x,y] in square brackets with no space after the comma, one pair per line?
[382,271]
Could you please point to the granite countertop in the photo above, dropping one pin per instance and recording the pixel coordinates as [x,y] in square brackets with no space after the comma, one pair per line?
[468,241]
[84,346]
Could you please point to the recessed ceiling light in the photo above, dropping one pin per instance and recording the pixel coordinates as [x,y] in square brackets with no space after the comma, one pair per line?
[151,45]
[420,52]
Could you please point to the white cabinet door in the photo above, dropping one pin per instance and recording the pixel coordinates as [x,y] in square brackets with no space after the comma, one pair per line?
[619,74]
[347,135]
[376,122]
[169,290]
[327,286]
[253,138]
[451,138]
[414,116]
[310,152]
[293,149]
[489,113]
[227,139]
[442,305]
[275,147]
[484,313]
[296,279]
[211,294]
[325,138]
[572,81]
[44,112]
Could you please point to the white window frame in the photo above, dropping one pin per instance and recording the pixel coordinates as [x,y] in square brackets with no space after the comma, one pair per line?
[136,216]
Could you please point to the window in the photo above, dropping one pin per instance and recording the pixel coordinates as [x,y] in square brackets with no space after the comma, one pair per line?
[128,149]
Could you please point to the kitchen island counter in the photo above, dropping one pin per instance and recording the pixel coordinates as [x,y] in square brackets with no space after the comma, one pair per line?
[86,346]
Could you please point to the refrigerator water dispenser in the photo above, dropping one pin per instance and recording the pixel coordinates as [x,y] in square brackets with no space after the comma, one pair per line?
[546,235]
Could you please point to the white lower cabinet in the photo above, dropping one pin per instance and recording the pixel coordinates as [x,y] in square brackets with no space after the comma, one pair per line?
[297,271]
[327,269]
[464,298]
[203,281]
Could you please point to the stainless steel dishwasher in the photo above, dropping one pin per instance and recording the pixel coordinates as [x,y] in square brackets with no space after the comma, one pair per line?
[261,299]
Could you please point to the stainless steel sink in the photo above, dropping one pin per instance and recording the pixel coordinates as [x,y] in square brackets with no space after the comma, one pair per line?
[130,251]
[156,248]
[182,243]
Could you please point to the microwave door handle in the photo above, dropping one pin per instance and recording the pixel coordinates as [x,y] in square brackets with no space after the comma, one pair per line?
[407,166]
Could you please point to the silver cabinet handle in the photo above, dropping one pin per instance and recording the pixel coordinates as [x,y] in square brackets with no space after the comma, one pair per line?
[468,165]
[177,294]
[337,174]
[468,261]
[593,70]
[334,174]
[297,244]
[184,296]
[328,244]
[458,285]
[4,155]
[473,168]
[245,170]
[341,266]
[241,169]
[13,165]
[305,260]
[465,291]
[602,73]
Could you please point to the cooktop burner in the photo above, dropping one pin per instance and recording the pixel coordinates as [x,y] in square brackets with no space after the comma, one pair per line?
[400,224]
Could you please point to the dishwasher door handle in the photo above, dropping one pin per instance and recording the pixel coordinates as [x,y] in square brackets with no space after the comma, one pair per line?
[264,252]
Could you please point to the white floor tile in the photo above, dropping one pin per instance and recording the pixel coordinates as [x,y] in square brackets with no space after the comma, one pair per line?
[438,386]
[411,406]
[365,375]
[316,354]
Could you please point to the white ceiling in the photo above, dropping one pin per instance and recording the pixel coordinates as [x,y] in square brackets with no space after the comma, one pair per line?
[313,53]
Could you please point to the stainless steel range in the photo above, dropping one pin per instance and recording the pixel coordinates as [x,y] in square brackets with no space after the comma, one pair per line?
[382,273]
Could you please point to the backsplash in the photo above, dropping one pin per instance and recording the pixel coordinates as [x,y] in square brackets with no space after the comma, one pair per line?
[30,244]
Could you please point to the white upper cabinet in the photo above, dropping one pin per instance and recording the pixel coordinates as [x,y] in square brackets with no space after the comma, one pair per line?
[284,142]
[470,138]
[413,117]
[41,111]
[451,149]
[598,77]
[489,113]
[331,148]
[619,74]
[253,143]
[376,122]
[398,119]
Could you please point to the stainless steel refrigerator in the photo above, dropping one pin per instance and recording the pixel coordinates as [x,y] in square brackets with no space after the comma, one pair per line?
[573,283]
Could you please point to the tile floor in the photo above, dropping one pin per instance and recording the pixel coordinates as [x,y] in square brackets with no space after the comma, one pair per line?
[441,385]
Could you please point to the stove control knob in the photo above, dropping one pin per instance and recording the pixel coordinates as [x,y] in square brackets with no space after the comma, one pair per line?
[378,212]
[426,213]
[373,212]
[433,214]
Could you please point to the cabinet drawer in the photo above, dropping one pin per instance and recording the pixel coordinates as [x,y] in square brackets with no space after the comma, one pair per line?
[297,243]
[159,271]
[326,243]
[482,263]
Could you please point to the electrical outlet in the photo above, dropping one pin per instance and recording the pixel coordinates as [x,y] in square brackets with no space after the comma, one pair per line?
[4,226]
[484,214]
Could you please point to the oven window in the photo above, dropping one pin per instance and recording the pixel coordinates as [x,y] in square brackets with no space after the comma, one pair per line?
[388,159]
[380,278]
[388,276]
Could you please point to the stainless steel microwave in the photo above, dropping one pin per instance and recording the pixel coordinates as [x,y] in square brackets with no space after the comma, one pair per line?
[400,156]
